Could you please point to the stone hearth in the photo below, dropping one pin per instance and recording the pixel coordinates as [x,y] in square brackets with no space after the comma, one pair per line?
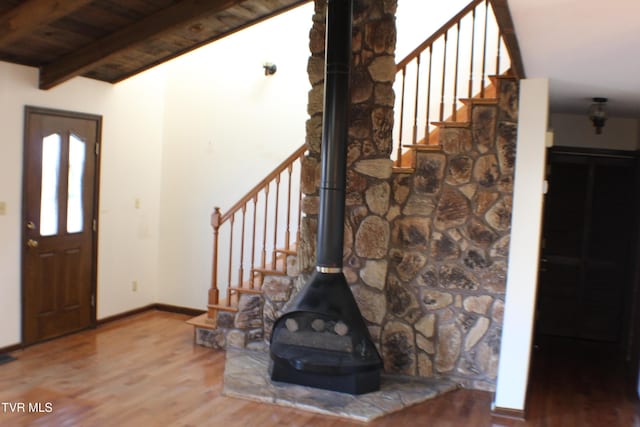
[246,376]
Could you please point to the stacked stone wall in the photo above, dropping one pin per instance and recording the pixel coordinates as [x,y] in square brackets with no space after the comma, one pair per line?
[426,253]
[447,259]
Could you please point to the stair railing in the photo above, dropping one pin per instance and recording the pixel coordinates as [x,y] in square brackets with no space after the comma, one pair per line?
[432,77]
[265,223]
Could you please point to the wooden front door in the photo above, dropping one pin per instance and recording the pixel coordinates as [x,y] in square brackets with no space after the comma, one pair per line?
[59,223]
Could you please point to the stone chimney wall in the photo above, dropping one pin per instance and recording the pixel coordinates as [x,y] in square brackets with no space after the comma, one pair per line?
[425,253]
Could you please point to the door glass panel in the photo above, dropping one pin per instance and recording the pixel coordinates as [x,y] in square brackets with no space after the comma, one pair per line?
[75,210]
[50,177]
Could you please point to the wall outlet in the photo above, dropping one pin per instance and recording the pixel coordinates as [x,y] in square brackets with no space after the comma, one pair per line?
[134,286]
[3,208]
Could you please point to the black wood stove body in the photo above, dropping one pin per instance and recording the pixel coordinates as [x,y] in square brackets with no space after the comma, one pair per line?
[322,340]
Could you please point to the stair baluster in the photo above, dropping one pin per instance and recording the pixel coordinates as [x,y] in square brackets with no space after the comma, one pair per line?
[266,206]
[446,75]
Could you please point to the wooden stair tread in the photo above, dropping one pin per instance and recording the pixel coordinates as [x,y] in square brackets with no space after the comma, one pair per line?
[451,124]
[202,321]
[242,290]
[268,272]
[221,307]
[507,75]
[424,147]
[479,101]
[402,169]
[287,251]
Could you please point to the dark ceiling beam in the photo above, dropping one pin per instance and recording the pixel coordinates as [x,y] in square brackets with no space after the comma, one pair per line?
[83,59]
[32,14]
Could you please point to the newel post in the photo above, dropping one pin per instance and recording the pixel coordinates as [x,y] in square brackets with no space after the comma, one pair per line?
[216,217]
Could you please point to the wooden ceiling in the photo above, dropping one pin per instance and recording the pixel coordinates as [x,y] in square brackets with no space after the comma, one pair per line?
[111,40]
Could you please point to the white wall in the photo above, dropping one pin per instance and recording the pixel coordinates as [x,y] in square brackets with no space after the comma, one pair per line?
[522,274]
[416,20]
[128,240]
[226,126]
[131,167]
[575,130]
[196,132]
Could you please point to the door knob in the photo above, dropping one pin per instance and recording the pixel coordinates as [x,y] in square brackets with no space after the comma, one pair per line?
[32,243]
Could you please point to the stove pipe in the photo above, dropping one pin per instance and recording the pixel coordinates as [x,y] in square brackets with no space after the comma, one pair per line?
[322,339]
[334,137]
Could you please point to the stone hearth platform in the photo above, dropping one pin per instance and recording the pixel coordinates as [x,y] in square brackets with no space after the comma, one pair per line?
[246,376]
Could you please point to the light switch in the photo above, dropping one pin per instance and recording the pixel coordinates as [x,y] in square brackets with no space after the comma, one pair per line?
[3,208]
[136,203]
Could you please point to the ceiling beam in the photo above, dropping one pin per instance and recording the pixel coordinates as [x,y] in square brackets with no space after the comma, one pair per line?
[31,14]
[82,60]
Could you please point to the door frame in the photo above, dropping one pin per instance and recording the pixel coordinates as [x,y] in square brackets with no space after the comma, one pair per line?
[28,111]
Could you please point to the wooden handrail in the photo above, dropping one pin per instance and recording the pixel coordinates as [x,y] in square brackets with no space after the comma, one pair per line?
[467,38]
[263,183]
[236,262]
[439,32]
[505,23]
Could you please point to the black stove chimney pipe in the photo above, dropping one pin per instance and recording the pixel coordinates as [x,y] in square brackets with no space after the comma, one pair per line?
[334,136]
[322,339]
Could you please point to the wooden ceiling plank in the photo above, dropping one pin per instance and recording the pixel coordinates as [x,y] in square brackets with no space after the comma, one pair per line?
[31,14]
[101,50]
[222,30]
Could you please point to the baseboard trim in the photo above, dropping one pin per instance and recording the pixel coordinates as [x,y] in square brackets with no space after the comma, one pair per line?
[10,348]
[124,314]
[160,307]
[515,414]
[179,310]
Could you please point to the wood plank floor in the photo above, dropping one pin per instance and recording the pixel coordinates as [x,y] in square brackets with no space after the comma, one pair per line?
[144,371]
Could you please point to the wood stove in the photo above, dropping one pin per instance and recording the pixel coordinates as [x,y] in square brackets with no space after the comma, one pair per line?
[322,340]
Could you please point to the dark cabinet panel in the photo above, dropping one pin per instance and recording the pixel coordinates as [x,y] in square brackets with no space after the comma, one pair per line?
[588,240]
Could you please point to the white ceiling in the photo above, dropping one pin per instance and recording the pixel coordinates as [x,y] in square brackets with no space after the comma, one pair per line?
[586,48]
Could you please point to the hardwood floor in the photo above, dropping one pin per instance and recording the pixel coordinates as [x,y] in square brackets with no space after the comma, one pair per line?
[145,371]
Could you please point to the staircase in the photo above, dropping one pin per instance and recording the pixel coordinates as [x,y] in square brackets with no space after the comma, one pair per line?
[256,273]
[254,258]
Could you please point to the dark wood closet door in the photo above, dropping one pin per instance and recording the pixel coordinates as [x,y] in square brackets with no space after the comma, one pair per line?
[588,246]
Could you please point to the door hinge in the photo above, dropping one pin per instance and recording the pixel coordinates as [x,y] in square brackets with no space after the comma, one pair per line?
[95,225]
[97,148]
[93,300]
